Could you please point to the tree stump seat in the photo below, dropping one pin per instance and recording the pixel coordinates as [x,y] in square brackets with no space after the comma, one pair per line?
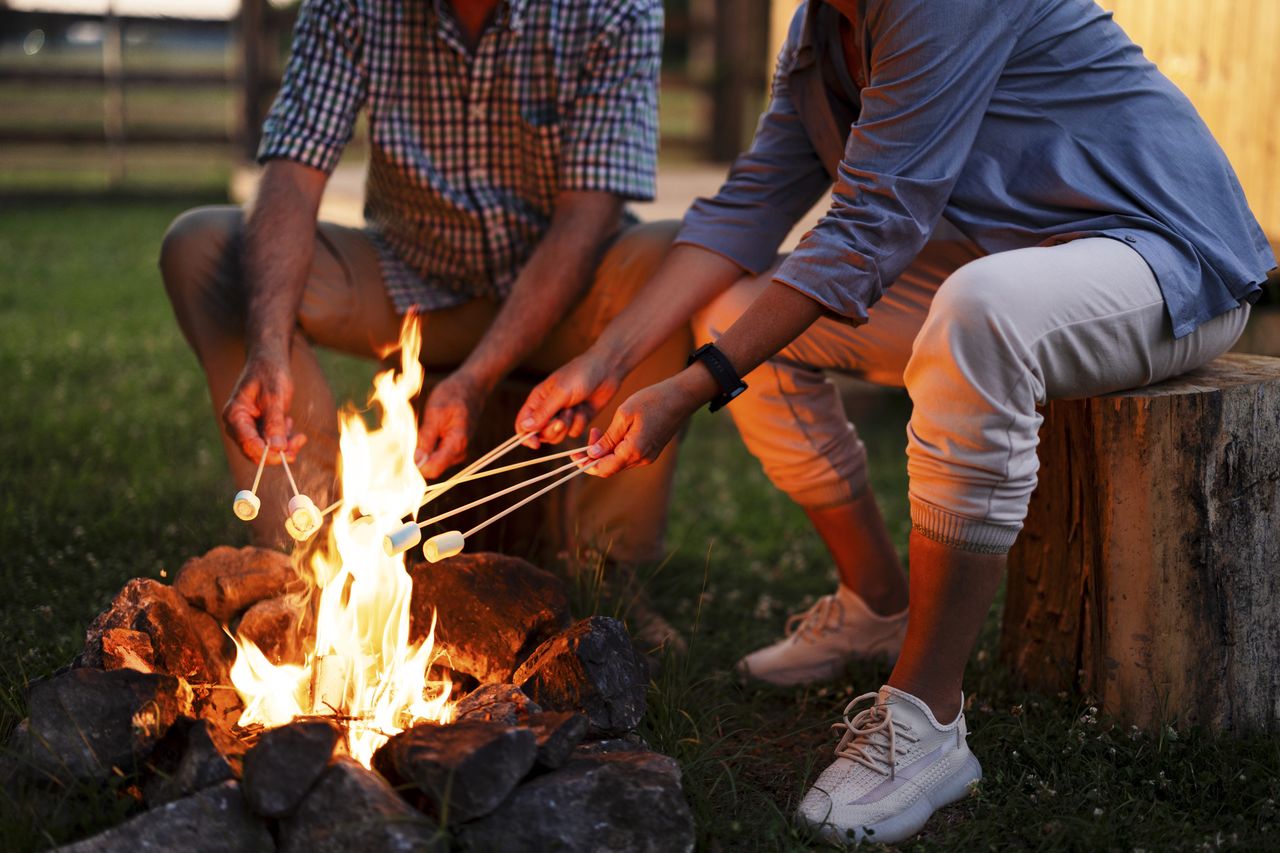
[1148,572]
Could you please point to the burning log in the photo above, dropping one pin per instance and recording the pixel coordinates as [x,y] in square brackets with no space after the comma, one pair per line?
[1146,575]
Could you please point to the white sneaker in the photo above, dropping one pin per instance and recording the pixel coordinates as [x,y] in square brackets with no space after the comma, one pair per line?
[820,641]
[895,767]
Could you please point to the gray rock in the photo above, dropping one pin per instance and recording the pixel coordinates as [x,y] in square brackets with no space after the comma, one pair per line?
[461,771]
[351,808]
[227,580]
[496,703]
[493,611]
[285,763]
[593,669]
[85,722]
[214,820]
[616,802]
[558,732]
[194,755]
[631,742]
[180,640]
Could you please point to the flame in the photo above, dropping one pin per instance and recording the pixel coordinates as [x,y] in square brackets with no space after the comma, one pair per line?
[363,669]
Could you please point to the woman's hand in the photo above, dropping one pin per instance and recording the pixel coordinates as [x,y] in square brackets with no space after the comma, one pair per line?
[645,423]
[564,403]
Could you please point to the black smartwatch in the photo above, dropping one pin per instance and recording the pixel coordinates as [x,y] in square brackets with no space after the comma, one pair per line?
[731,384]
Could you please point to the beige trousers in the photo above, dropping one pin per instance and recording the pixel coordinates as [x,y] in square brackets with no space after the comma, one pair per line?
[980,343]
[345,307]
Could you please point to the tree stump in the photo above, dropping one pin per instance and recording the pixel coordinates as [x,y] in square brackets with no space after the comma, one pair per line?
[1148,573]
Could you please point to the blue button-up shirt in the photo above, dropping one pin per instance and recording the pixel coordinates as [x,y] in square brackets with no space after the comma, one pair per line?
[1023,122]
[469,145]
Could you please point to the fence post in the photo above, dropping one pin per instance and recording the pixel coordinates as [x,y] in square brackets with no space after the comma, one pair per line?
[113,106]
[252,54]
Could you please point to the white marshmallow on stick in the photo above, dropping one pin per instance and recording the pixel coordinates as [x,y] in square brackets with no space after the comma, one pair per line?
[443,545]
[246,503]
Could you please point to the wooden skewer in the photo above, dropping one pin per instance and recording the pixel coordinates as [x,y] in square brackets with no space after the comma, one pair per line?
[330,508]
[581,470]
[257,478]
[467,478]
[508,490]
[285,462]
[494,455]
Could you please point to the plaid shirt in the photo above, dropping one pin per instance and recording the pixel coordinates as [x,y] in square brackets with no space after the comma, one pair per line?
[469,147]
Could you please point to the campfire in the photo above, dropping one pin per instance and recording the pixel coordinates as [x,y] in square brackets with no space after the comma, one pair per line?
[352,695]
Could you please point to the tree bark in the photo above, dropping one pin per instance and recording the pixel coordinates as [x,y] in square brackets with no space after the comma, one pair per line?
[1148,573]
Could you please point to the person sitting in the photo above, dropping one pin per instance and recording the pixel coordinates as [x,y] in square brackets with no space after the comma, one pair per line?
[1022,208]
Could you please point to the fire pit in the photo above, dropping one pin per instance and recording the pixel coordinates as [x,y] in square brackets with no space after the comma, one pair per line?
[346,696]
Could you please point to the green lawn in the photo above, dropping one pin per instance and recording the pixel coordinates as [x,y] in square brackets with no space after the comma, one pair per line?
[110,469]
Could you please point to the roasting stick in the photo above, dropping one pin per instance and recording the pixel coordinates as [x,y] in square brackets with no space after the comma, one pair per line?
[410,533]
[305,517]
[467,478]
[452,542]
[433,492]
[246,503]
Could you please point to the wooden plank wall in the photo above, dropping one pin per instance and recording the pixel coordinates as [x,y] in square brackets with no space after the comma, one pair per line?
[1225,55]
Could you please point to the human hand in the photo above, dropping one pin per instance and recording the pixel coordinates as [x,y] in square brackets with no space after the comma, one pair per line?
[256,413]
[564,403]
[643,425]
[447,422]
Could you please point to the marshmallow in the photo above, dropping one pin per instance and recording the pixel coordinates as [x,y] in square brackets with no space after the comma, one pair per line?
[304,513]
[246,505]
[443,545]
[298,535]
[402,539]
[364,530]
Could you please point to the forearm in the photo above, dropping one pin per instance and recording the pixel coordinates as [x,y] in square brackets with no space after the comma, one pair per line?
[687,280]
[279,240]
[777,317]
[554,279]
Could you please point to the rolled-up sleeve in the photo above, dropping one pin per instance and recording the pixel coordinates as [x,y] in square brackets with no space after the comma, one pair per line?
[324,87]
[933,69]
[769,187]
[611,137]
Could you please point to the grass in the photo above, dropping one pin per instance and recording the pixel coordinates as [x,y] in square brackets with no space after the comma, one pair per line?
[109,469]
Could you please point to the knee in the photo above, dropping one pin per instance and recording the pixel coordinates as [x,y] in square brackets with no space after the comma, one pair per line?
[196,243]
[634,258]
[972,330]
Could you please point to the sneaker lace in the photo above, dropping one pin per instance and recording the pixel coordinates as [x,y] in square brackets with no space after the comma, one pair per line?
[872,736]
[826,614]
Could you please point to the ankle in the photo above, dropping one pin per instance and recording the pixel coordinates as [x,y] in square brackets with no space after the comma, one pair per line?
[945,704]
[880,599]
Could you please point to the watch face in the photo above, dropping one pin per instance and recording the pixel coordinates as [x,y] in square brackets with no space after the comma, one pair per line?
[735,392]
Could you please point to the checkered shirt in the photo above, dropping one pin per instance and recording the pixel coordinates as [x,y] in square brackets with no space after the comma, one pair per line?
[469,146]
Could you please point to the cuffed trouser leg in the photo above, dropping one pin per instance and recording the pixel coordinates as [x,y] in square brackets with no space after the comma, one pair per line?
[791,417]
[1005,334]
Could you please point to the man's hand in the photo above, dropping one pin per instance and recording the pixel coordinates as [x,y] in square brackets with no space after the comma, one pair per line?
[257,413]
[564,403]
[646,422]
[446,425]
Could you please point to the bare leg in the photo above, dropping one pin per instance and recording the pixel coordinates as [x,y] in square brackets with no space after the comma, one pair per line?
[951,592]
[859,543]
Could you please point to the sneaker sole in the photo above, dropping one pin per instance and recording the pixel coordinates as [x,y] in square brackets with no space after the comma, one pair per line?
[902,826]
